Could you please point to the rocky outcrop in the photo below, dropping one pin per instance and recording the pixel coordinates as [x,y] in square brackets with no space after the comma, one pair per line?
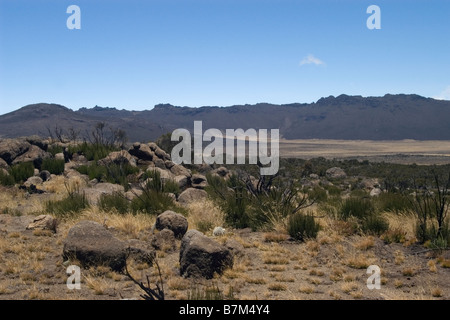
[10,149]
[202,257]
[118,157]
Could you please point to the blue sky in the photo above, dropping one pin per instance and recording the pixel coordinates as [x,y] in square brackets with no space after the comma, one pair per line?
[135,54]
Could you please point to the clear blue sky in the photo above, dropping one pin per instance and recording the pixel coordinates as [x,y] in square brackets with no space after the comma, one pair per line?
[135,54]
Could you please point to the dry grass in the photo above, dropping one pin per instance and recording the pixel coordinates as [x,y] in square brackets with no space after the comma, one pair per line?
[409,272]
[358,261]
[348,287]
[365,243]
[277,287]
[275,237]
[437,292]
[205,216]
[306,289]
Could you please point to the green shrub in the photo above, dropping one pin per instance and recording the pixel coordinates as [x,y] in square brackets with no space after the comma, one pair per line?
[92,151]
[54,166]
[374,224]
[73,203]
[356,207]
[393,202]
[6,179]
[155,198]
[22,171]
[153,202]
[115,201]
[319,194]
[302,226]
[94,171]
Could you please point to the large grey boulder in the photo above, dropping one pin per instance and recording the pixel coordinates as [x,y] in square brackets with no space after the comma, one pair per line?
[191,195]
[93,245]
[164,174]
[33,181]
[335,173]
[179,170]
[202,257]
[172,221]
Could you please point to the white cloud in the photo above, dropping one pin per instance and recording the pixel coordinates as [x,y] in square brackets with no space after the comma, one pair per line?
[444,95]
[310,59]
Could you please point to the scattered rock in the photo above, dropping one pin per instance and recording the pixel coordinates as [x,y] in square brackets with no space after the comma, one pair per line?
[90,243]
[45,175]
[153,146]
[335,173]
[221,171]
[191,195]
[314,176]
[201,256]
[198,181]
[164,174]
[172,221]
[159,163]
[182,181]
[59,156]
[142,151]
[179,170]
[164,240]
[43,222]
[162,154]
[33,181]
[169,164]
[218,231]
[94,193]
[375,192]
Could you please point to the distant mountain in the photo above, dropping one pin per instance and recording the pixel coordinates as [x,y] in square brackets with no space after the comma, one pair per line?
[390,117]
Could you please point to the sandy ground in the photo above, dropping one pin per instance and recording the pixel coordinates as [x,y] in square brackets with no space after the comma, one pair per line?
[400,151]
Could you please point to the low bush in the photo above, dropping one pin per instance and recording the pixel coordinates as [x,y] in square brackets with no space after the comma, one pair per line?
[356,207]
[319,194]
[375,225]
[302,226]
[54,149]
[73,203]
[393,202]
[22,171]
[6,179]
[92,151]
[54,166]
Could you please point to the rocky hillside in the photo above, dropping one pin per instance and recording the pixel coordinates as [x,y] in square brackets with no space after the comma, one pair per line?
[390,117]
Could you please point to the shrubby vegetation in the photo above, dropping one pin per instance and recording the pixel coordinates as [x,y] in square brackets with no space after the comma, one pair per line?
[54,166]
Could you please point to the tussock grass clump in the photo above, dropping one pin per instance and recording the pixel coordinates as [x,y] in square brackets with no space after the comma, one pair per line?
[302,226]
[6,179]
[22,171]
[72,204]
[54,166]
[114,202]
[356,207]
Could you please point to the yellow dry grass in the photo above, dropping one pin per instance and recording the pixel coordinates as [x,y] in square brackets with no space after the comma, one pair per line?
[205,216]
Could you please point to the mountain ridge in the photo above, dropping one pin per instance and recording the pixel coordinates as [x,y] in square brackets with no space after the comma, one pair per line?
[390,117]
